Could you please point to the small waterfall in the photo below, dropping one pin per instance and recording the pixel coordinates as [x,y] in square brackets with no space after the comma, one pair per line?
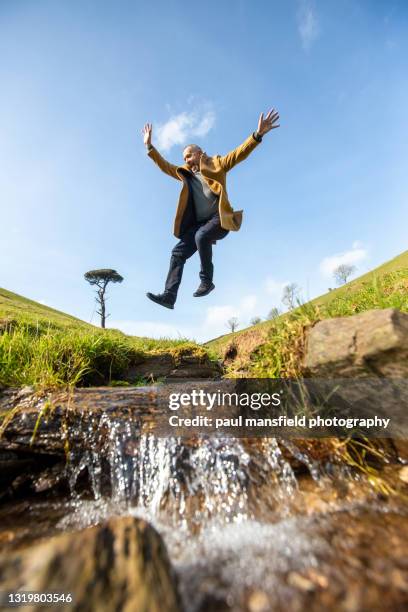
[178,480]
[249,524]
[242,530]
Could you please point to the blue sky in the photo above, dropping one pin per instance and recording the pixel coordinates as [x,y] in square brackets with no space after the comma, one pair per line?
[77,191]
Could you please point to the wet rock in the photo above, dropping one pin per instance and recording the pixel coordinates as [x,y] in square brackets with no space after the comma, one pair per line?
[154,366]
[6,537]
[399,580]
[119,565]
[169,366]
[11,464]
[195,371]
[62,418]
[317,578]
[367,344]
[403,474]
[49,478]
[19,472]
[25,391]
[300,582]
[401,449]
[258,601]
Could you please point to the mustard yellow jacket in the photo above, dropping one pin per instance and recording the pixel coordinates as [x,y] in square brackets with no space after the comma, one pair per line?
[214,171]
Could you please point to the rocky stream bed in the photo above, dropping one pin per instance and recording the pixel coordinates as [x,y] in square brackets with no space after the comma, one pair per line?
[98,505]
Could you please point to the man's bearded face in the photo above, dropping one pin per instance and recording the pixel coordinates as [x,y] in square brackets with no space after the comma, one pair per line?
[192,156]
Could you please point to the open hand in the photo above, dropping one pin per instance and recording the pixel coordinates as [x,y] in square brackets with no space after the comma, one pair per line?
[269,122]
[147,134]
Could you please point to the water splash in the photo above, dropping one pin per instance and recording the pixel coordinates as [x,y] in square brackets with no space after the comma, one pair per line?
[231,562]
[173,479]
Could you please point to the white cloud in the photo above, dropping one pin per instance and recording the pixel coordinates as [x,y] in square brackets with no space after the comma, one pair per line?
[357,244]
[248,304]
[151,329]
[275,288]
[308,26]
[352,257]
[213,325]
[182,128]
[217,316]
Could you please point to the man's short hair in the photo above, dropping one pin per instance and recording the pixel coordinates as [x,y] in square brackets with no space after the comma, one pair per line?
[194,146]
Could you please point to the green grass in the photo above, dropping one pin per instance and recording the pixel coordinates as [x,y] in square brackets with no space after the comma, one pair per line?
[281,354]
[14,307]
[397,263]
[280,350]
[338,302]
[46,348]
[53,358]
[61,357]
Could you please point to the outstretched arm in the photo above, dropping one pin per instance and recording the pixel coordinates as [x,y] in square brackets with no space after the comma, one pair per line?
[152,152]
[265,124]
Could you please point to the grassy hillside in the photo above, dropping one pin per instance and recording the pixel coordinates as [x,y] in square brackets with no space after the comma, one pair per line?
[273,348]
[45,347]
[398,263]
[14,307]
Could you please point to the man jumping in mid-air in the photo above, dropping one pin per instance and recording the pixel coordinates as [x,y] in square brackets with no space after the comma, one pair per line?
[204,214]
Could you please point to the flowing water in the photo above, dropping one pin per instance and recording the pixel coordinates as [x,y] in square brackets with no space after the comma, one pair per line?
[243,530]
[228,510]
[212,499]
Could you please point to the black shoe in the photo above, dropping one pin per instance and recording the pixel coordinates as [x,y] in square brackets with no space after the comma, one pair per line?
[161,298]
[204,289]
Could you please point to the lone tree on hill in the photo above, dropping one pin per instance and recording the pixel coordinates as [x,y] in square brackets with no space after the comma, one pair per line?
[289,295]
[255,320]
[101,278]
[342,272]
[232,324]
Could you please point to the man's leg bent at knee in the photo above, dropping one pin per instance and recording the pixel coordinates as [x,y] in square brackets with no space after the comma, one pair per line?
[204,237]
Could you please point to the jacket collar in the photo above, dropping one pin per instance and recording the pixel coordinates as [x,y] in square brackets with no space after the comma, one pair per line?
[203,159]
[184,168]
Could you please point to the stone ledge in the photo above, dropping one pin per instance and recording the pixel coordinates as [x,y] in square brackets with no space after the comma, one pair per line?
[367,344]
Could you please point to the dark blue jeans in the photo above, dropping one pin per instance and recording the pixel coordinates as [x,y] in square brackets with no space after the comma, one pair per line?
[199,237]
